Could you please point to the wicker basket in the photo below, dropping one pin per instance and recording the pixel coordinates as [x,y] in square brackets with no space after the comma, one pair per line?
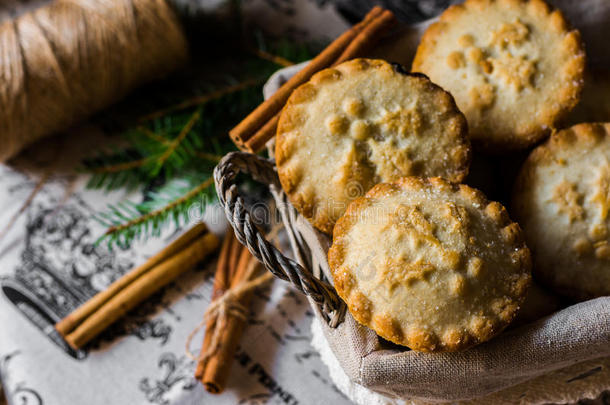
[559,358]
[576,334]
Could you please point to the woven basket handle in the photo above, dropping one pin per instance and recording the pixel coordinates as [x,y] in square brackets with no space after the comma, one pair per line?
[263,171]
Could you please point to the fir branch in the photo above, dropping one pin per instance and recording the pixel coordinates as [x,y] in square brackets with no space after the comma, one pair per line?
[127,221]
[155,137]
[166,146]
[278,60]
[160,212]
[174,145]
[120,167]
[209,156]
[194,101]
[171,152]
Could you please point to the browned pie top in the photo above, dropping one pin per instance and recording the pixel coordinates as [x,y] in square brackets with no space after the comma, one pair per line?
[361,123]
[515,68]
[429,264]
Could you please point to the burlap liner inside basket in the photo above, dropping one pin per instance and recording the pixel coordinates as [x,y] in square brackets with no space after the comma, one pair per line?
[573,335]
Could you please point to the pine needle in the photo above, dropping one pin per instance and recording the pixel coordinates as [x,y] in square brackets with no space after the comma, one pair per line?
[278,60]
[194,101]
[121,166]
[147,217]
[152,135]
[176,142]
[209,156]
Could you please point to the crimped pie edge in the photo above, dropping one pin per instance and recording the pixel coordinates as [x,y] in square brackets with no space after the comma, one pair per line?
[389,328]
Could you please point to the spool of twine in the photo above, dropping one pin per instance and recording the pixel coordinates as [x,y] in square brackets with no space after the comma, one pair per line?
[68,59]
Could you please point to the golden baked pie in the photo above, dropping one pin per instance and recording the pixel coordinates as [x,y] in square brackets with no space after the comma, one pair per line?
[515,68]
[363,122]
[429,264]
[562,200]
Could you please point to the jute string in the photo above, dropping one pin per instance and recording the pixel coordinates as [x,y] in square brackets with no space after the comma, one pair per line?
[70,58]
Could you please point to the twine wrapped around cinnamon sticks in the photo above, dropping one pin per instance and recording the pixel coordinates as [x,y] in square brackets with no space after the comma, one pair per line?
[89,320]
[68,59]
[238,274]
[259,126]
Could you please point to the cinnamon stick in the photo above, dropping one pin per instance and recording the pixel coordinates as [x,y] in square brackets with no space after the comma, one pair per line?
[367,37]
[270,107]
[367,32]
[217,368]
[262,136]
[222,282]
[105,308]
[234,283]
[70,322]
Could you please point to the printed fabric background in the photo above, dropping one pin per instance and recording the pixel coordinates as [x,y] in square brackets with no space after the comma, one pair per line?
[50,264]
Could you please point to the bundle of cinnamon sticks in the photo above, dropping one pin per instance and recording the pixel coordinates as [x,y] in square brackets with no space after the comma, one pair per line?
[237,275]
[260,125]
[94,316]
